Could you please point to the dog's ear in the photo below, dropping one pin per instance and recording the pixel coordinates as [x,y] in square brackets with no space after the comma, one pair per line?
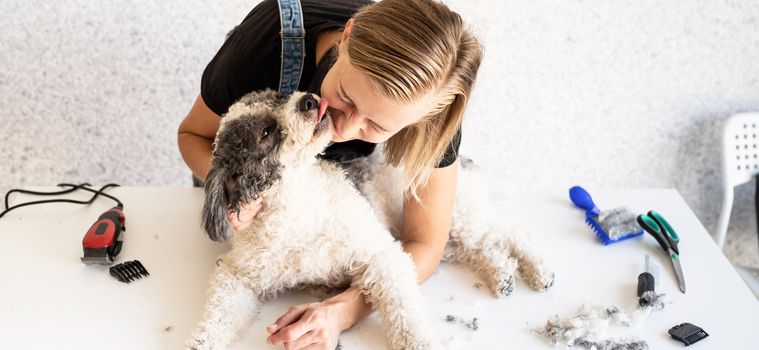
[225,193]
[258,176]
[215,206]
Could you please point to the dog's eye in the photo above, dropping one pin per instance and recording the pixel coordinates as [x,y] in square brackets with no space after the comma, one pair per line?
[265,133]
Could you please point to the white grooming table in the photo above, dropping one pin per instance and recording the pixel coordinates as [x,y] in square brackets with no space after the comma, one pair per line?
[49,299]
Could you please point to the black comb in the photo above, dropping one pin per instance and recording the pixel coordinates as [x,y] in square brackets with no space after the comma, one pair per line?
[128,271]
[687,333]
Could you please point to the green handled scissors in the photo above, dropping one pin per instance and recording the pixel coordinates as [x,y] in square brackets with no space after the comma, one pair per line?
[657,226]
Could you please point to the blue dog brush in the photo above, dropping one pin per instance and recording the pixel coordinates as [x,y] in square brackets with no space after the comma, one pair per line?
[610,226]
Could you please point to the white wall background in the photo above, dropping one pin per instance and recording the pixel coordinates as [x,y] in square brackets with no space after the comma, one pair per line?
[595,92]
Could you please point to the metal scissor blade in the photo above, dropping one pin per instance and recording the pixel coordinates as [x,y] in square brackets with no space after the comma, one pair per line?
[678,269]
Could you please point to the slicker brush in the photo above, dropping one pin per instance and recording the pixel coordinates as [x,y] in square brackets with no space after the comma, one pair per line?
[610,226]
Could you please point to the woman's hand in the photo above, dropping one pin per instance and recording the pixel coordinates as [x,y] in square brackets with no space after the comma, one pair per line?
[248,211]
[312,326]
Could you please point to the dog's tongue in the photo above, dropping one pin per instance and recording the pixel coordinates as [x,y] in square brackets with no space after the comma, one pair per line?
[322,109]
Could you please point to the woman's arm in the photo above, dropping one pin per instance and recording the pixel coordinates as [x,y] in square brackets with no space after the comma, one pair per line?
[426,225]
[195,137]
[425,233]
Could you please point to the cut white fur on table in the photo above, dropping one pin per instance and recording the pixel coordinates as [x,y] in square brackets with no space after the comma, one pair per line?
[318,228]
[586,329]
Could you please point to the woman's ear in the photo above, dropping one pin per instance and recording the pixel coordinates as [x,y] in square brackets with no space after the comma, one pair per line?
[215,206]
[347,30]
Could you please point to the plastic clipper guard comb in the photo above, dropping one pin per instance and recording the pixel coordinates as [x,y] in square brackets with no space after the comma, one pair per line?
[128,271]
[595,218]
[687,333]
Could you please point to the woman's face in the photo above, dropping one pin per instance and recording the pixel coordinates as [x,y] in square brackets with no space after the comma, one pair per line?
[357,108]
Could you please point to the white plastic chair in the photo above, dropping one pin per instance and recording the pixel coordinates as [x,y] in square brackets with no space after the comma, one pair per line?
[740,162]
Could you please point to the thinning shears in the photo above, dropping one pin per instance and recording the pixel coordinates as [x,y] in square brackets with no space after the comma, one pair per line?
[657,226]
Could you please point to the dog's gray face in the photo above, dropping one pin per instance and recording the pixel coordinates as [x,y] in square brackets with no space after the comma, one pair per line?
[260,135]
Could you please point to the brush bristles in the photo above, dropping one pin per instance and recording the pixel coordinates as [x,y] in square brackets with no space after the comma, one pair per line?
[604,236]
[600,232]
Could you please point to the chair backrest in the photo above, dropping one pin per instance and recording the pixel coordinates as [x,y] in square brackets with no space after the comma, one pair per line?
[740,149]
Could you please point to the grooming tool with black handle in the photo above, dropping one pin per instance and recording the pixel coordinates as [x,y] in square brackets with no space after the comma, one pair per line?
[646,284]
[665,235]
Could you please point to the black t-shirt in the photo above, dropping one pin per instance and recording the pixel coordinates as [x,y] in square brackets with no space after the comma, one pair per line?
[249,60]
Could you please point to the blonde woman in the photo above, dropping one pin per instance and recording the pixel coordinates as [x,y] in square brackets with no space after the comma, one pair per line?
[396,71]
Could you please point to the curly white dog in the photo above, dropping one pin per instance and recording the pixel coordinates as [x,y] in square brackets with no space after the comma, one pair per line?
[318,229]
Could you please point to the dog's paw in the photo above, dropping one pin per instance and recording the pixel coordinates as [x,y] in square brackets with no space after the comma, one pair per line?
[542,281]
[549,283]
[504,287]
[197,342]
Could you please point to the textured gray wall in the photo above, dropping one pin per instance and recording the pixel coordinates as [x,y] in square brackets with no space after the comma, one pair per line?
[601,93]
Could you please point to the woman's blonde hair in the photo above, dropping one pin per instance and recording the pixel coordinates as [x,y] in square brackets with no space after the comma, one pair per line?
[409,48]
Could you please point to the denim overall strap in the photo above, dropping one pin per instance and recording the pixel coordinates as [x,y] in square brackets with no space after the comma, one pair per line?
[293,45]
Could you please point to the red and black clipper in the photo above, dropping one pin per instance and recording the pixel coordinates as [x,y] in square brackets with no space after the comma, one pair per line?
[101,244]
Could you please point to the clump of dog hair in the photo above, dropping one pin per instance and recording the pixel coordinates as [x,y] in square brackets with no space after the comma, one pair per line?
[618,222]
[586,328]
[467,163]
[623,344]
[473,324]
[653,300]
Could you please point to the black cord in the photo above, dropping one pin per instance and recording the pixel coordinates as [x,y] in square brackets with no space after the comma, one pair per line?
[99,192]
[73,188]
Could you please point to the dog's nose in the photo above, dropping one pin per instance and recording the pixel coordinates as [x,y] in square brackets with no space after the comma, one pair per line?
[307,103]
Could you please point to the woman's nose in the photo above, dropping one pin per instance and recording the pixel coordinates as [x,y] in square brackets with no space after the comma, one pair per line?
[307,103]
[350,128]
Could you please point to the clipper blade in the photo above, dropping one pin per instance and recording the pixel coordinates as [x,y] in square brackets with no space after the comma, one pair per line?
[97,260]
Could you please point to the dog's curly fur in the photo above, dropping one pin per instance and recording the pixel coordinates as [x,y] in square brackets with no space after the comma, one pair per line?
[330,226]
